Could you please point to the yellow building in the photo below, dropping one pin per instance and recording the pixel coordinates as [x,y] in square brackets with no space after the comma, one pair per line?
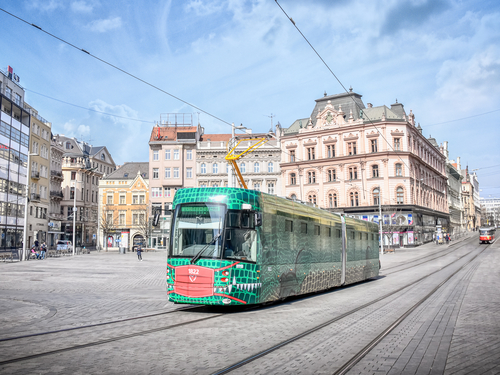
[123,208]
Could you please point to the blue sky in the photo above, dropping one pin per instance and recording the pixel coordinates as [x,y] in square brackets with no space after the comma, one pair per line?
[243,61]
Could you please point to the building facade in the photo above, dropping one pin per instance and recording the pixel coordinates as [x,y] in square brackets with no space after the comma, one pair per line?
[124,207]
[14,156]
[39,178]
[172,163]
[83,165]
[56,195]
[490,212]
[348,157]
[470,199]
[260,168]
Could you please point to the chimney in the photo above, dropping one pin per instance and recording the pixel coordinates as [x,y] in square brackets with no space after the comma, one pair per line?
[458,164]
[370,105]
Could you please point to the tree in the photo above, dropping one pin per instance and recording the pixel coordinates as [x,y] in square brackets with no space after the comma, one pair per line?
[141,222]
[108,222]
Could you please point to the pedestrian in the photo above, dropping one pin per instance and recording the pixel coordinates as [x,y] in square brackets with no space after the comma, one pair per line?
[139,253]
[447,238]
[37,245]
[34,252]
[43,251]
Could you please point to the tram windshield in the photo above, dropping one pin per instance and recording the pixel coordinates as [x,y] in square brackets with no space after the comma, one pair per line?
[240,241]
[197,230]
[486,232]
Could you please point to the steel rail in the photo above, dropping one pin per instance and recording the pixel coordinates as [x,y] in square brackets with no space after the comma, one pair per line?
[363,352]
[328,322]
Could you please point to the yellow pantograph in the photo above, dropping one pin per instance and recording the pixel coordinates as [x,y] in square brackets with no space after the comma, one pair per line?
[233,156]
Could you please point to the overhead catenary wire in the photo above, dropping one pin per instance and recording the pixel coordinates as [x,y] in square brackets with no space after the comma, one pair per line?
[341,84]
[115,67]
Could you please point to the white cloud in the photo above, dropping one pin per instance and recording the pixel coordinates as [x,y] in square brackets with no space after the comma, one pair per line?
[204,8]
[472,82]
[101,26]
[44,5]
[81,7]
[122,110]
[76,130]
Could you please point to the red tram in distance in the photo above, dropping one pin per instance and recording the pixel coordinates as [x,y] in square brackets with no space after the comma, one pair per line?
[486,235]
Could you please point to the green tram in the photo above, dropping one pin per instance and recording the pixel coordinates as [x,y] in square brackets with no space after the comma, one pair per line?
[232,246]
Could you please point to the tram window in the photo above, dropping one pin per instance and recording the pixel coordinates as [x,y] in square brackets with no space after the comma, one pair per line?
[339,233]
[361,236]
[373,237]
[329,232]
[353,235]
[366,236]
[233,219]
[246,220]
[303,228]
[316,230]
[288,226]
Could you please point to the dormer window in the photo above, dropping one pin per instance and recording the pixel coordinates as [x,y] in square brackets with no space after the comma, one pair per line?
[103,157]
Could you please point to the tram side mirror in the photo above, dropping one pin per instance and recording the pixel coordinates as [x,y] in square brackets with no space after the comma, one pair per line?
[258,219]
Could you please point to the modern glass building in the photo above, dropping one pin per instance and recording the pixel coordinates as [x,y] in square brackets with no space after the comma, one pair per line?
[14,146]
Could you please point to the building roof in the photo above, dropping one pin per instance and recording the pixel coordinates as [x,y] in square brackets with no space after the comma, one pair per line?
[215,137]
[349,101]
[172,133]
[128,171]
[376,114]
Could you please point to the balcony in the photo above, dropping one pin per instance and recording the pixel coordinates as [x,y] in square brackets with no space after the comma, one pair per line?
[56,175]
[35,175]
[56,195]
[35,197]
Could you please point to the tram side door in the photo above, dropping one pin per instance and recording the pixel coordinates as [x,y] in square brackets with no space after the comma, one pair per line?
[344,250]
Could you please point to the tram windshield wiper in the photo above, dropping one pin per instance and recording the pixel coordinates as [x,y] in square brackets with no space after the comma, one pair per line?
[200,253]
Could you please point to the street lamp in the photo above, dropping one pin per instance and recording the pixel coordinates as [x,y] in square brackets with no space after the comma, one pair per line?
[25,232]
[74,213]
[380,220]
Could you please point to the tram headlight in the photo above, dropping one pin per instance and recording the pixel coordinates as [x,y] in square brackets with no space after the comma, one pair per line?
[225,273]
[224,279]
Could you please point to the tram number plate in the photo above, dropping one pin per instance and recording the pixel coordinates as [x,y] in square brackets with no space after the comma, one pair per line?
[194,271]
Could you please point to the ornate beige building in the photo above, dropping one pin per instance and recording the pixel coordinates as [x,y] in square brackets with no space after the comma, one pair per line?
[346,157]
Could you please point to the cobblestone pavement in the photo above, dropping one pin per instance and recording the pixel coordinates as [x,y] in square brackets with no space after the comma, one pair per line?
[38,296]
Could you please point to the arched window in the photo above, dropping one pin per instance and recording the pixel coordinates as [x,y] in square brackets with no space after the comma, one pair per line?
[375,171]
[215,168]
[400,195]
[332,200]
[103,157]
[332,176]
[243,168]
[353,173]
[270,167]
[203,168]
[312,198]
[293,179]
[376,196]
[256,167]
[353,195]
[399,170]
[68,145]
[311,177]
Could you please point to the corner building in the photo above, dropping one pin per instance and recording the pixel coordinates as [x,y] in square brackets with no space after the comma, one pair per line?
[347,156]
[15,123]
[172,165]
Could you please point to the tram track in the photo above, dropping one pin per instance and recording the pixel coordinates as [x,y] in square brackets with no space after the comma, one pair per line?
[83,327]
[426,258]
[183,324]
[355,359]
